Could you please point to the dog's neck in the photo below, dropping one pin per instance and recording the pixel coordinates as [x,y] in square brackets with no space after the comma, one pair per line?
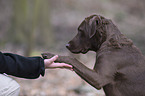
[114,38]
[112,30]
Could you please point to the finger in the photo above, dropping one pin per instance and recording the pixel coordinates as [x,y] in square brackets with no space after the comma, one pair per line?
[66,66]
[61,65]
[53,58]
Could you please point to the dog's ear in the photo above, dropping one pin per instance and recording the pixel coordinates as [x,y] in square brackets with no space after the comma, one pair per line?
[92,25]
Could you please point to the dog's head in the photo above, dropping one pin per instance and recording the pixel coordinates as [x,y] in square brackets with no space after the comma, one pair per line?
[91,34]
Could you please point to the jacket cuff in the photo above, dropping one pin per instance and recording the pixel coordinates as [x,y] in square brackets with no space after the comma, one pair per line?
[42,70]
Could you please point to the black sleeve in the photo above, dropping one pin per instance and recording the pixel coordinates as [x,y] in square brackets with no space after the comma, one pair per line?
[19,66]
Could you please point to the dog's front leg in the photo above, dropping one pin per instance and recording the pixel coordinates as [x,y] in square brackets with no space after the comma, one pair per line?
[91,76]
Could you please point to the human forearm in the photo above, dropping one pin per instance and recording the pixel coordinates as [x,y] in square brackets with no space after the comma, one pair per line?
[19,66]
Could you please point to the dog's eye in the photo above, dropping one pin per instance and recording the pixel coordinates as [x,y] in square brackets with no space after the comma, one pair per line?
[81,31]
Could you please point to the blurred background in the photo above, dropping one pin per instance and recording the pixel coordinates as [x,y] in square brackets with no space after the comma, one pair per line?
[31,27]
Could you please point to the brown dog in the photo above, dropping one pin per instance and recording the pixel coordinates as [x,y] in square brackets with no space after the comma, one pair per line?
[119,67]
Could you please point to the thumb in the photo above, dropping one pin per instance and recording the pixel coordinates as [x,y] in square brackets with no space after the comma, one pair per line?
[51,60]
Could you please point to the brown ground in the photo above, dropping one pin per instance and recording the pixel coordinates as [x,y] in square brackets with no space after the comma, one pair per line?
[57,82]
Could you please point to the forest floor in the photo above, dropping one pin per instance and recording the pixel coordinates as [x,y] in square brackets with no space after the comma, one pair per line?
[57,82]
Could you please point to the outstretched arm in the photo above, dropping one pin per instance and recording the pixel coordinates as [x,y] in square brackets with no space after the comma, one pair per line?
[27,67]
[20,66]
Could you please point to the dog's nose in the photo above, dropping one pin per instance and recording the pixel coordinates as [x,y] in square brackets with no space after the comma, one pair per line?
[68,45]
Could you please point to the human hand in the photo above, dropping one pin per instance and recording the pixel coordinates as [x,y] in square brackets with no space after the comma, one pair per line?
[49,63]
